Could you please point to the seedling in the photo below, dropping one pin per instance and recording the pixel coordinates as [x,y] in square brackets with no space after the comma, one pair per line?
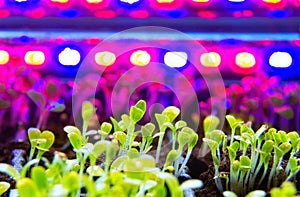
[251,153]
[39,140]
[4,186]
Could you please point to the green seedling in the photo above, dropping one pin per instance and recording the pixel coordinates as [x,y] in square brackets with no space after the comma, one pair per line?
[40,140]
[164,121]
[210,123]
[287,189]
[251,154]
[4,186]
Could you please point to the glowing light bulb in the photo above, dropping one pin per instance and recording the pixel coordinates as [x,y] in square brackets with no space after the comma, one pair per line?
[94,1]
[201,1]
[130,1]
[140,58]
[35,58]
[281,60]
[4,57]
[165,1]
[272,1]
[60,1]
[210,59]
[245,60]
[105,58]
[69,57]
[175,59]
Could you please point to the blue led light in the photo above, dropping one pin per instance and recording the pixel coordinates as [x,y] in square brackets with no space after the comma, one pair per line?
[22,2]
[278,14]
[69,13]
[130,3]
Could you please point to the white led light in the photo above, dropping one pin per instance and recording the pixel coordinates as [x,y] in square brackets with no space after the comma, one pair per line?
[236,0]
[281,60]
[69,57]
[130,1]
[175,59]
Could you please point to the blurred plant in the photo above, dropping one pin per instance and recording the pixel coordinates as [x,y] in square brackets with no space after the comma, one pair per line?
[287,189]
[252,155]
[14,83]
[4,186]
[47,99]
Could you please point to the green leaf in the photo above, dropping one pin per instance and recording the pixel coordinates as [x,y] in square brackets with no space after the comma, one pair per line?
[38,175]
[232,150]
[33,135]
[216,135]
[27,188]
[75,140]
[213,145]
[37,98]
[57,107]
[233,123]
[171,157]
[142,105]
[191,184]
[285,111]
[136,114]
[210,123]
[71,181]
[10,170]
[180,124]
[185,136]
[99,148]
[88,110]
[171,112]
[148,129]
[121,137]
[4,186]
[133,153]
[245,163]
[106,127]
[236,167]
[49,137]
[256,193]
[285,147]
[161,119]
[95,170]
[51,90]
[293,136]
[172,183]
[229,194]
[268,146]
[72,129]
[116,125]
[283,136]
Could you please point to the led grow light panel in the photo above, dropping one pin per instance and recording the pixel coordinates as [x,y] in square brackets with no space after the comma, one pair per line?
[63,57]
[149,8]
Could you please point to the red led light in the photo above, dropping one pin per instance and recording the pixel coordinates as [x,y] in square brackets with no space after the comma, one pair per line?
[105,14]
[166,4]
[37,13]
[139,14]
[207,14]
[4,13]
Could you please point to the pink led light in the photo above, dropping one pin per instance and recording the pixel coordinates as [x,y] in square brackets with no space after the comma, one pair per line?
[36,13]
[105,14]
[4,13]
[139,14]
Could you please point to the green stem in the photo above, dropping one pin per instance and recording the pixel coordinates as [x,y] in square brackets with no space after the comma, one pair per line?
[160,140]
[143,144]
[188,155]
[177,161]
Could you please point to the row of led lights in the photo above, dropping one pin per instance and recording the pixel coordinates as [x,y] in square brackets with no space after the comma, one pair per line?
[72,57]
[158,1]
